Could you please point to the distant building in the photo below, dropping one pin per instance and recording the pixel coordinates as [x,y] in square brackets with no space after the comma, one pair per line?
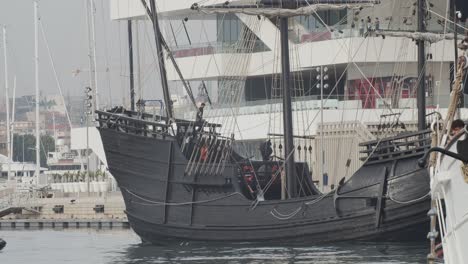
[17,169]
[24,127]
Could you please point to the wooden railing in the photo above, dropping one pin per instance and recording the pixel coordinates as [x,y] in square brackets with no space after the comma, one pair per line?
[146,124]
[126,122]
[400,146]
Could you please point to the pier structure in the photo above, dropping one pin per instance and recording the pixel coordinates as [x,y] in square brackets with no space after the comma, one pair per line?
[24,210]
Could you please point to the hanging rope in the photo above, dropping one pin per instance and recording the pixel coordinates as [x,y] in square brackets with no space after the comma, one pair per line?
[231,90]
[158,203]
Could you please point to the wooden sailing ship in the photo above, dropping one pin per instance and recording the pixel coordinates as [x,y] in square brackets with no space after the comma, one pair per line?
[172,192]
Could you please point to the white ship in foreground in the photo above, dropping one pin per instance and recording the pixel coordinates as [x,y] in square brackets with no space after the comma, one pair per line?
[449,182]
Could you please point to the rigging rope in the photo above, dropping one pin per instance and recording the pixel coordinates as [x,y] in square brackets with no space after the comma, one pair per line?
[410,201]
[152,202]
[280,216]
[57,81]
[231,91]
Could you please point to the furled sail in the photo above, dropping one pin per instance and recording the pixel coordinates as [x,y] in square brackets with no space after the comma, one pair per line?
[425,36]
[262,8]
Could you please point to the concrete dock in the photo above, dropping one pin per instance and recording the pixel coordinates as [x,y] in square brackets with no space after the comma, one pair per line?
[34,224]
[62,210]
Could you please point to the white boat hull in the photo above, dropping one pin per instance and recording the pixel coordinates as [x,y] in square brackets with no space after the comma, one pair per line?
[449,187]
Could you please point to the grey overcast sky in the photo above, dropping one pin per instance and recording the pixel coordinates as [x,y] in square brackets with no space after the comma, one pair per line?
[65,27]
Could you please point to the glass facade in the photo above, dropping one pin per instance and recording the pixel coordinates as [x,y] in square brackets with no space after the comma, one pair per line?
[229,29]
[305,86]
[331,18]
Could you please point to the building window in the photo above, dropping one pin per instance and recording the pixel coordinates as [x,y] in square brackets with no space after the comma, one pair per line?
[229,30]
[314,23]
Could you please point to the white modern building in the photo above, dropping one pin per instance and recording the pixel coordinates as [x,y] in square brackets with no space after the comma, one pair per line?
[328,38]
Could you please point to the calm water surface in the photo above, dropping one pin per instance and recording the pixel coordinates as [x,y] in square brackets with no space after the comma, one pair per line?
[123,246]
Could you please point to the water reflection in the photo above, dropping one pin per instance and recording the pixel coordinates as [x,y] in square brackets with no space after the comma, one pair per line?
[124,247]
[240,253]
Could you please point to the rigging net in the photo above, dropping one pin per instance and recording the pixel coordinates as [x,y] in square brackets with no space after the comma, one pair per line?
[396,84]
[210,152]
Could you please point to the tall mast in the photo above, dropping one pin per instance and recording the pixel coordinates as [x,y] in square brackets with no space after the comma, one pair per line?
[36,69]
[287,110]
[53,127]
[92,52]
[421,92]
[453,14]
[137,51]
[13,118]
[162,65]
[130,63]
[93,30]
[322,151]
[7,101]
[162,42]
[92,78]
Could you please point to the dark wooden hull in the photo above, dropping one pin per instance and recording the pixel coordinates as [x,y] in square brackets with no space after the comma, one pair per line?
[163,204]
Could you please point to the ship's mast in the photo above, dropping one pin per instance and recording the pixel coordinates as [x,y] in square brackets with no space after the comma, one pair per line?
[421,92]
[137,54]
[158,36]
[162,64]
[36,69]
[92,53]
[453,14]
[130,63]
[7,102]
[287,110]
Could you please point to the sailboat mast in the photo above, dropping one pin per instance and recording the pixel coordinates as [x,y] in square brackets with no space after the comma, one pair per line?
[36,69]
[92,52]
[53,127]
[162,64]
[93,32]
[7,101]
[130,63]
[12,133]
[287,110]
[421,92]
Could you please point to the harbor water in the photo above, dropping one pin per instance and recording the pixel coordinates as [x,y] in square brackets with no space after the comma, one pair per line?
[123,246]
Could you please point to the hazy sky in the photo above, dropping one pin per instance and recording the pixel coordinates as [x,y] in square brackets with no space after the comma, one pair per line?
[65,27]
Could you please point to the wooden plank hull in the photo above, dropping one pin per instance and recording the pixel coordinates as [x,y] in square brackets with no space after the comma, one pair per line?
[164,204]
